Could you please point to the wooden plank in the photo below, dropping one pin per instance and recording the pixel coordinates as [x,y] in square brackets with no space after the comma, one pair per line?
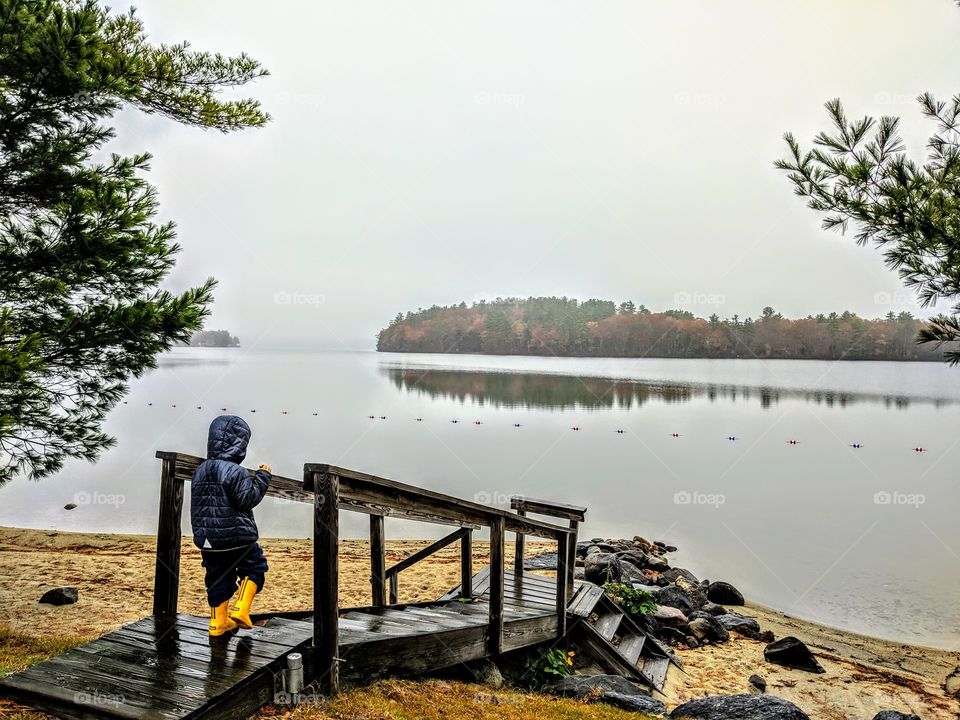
[548,507]
[166,584]
[518,551]
[496,584]
[608,623]
[466,565]
[631,646]
[378,561]
[561,585]
[427,551]
[655,671]
[326,532]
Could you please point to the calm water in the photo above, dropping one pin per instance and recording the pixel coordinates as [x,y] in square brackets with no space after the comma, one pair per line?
[866,539]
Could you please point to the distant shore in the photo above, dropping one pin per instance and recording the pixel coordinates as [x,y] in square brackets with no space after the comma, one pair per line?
[114,576]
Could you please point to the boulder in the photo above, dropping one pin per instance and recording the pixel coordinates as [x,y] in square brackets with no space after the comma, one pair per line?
[631,572]
[738,623]
[60,596]
[724,594]
[673,574]
[611,689]
[707,627]
[713,608]
[758,682]
[486,672]
[669,614]
[792,653]
[655,562]
[602,567]
[543,561]
[952,683]
[674,636]
[894,715]
[739,707]
[674,597]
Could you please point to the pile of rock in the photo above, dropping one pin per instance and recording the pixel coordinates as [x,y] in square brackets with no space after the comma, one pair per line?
[690,611]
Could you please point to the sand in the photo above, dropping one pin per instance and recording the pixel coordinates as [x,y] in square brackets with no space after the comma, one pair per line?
[114,574]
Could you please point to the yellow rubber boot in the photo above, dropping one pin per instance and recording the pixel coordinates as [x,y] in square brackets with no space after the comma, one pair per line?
[220,622]
[240,610]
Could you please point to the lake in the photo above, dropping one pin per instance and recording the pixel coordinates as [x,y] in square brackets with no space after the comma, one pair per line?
[861,538]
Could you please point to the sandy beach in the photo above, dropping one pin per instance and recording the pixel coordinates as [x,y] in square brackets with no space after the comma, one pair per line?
[114,575]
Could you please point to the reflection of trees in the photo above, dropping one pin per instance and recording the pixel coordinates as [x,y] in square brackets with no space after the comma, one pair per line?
[561,392]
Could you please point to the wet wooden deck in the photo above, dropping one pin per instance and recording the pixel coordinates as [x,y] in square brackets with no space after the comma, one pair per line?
[172,668]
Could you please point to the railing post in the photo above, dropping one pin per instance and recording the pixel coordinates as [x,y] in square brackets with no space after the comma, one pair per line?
[394,589]
[571,557]
[326,490]
[496,583]
[518,555]
[563,555]
[466,565]
[378,561]
[166,585]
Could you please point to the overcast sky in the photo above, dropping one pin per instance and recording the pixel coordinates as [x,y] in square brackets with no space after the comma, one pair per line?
[432,152]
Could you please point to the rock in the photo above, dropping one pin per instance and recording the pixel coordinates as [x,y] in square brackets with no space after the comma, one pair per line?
[600,568]
[894,715]
[674,597]
[611,689]
[673,574]
[674,636]
[486,673]
[952,683]
[739,707]
[738,623]
[792,653]
[724,594]
[669,548]
[713,608]
[70,506]
[543,561]
[631,571]
[60,596]
[707,627]
[766,636]
[578,573]
[758,682]
[655,562]
[670,614]
[692,642]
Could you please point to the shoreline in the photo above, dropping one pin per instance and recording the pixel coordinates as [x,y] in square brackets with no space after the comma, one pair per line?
[114,575]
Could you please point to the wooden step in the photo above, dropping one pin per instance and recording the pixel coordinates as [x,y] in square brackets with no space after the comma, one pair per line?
[631,646]
[608,623]
[655,670]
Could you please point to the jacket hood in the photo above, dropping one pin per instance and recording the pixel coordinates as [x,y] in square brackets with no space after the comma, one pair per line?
[228,438]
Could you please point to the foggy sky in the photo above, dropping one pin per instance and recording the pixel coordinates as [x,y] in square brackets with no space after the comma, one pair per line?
[432,152]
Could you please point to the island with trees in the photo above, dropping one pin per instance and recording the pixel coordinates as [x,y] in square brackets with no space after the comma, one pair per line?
[214,338]
[561,326]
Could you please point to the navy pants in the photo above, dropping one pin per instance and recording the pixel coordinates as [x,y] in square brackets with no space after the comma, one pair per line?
[225,568]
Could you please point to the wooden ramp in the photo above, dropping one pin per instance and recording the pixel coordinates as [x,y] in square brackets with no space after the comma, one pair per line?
[166,669]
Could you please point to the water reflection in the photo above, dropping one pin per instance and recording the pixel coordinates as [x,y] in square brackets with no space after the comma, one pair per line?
[565,392]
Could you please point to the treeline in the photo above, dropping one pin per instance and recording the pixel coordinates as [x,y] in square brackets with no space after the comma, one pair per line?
[214,338]
[601,328]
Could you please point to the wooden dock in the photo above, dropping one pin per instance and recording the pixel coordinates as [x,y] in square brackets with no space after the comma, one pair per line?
[166,666]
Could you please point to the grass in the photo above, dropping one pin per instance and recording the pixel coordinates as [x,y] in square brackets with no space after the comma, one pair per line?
[384,700]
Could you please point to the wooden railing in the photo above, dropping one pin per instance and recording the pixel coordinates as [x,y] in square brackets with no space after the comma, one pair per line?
[336,488]
[332,489]
[575,514]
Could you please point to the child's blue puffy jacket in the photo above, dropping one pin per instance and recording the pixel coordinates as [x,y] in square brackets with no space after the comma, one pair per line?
[223,494]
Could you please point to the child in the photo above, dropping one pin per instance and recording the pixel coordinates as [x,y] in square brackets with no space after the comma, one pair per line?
[222,497]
